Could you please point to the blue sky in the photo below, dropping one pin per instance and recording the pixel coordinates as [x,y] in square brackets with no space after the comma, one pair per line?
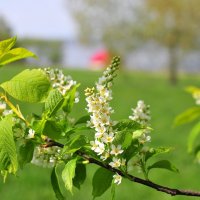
[38,18]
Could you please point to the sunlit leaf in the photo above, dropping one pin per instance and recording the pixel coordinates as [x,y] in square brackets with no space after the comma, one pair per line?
[127,125]
[74,144]
[14,55]
[68,174]
[69,99]
[8,154]
[192,89]
[137,134]
[29,86]
[193,136]
[6,45]
[53,102]
[124,138]
[188,116]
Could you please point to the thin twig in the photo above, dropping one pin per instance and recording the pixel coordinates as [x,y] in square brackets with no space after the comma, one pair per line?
[148,183]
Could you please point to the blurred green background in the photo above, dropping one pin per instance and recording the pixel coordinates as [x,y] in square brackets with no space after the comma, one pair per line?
[166,102]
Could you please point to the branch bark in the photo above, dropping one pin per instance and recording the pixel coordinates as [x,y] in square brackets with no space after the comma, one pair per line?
[148,183]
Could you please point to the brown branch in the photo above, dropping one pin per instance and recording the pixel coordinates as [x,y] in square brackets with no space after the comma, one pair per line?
[148,183]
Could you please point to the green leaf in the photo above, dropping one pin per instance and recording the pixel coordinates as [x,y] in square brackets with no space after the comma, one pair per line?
[74,144]
[101,181]
[187,116]
[69,99]
[197,149]
[132,150]
[14,55]
[55,185]
[8,154]
[137,134]
[6,45]
[29,86]
[113,190]
[193,136]
[53,129]
[81,128]
[68,174]
[156,151]
[39,125]
[70,129]
[124,138]
[8,55]
[197,156]
[25,153]
[80,175]
[163,164]
[82,120]
[127,125]
[53,102]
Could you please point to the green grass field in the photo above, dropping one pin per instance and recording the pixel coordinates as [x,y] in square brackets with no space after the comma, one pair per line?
[166,101]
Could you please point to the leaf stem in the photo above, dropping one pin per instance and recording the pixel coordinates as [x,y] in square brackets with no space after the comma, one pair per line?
[16,110]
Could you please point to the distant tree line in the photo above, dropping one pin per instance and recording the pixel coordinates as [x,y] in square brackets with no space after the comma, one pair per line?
[123,26]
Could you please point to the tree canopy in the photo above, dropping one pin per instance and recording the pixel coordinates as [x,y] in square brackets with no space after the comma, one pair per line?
[124,25]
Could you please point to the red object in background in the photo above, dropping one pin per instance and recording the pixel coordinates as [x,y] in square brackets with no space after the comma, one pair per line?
[99,59]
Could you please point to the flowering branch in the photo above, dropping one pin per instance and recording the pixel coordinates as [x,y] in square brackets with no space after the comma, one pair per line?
[114,145]
[148,183]
[104,145]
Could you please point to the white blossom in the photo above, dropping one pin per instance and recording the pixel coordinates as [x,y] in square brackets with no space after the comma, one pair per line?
[100,130]
[97,147]
[108,138]
[117,178]
[100,149]
[105,156]
[94,144]
[115,162]
[116,150]
[31,134]
[2,106]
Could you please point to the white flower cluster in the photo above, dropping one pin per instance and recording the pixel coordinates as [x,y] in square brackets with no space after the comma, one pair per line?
[3,110]
[46,156]
[61,82]
[141,114]
[100,119]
